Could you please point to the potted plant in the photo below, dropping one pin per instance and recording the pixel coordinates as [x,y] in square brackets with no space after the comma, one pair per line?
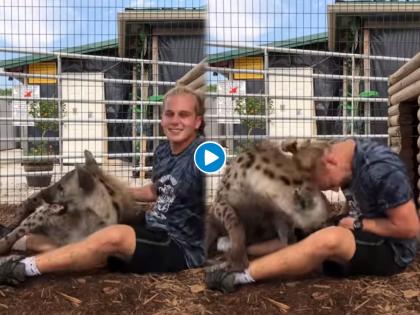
[39,150]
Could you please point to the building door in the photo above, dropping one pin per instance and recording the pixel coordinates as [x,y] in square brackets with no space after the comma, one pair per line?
[291,117]
[89,132]
[7,130]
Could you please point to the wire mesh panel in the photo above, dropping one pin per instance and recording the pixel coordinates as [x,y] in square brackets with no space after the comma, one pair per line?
[305,69]
[78,76]
[92,75]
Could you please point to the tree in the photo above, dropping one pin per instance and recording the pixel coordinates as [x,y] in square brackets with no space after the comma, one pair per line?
[252,106]
[44,109]
[5,92]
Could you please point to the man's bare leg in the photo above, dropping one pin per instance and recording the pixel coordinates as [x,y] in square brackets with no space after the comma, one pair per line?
[333,243]
[35,243]
[91,253]
[265,248]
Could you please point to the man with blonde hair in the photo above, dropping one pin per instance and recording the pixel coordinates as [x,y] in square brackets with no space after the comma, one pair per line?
[171,237]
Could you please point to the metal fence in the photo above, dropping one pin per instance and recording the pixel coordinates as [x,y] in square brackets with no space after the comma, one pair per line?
[217,110]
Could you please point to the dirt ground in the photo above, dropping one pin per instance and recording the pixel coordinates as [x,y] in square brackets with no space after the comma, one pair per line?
[184,293]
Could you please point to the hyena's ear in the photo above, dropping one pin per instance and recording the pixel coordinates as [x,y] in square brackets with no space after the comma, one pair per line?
[309,156]
[289,146]
[90,161]
[86,180]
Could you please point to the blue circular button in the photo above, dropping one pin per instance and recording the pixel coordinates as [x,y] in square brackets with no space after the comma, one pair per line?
[210,157]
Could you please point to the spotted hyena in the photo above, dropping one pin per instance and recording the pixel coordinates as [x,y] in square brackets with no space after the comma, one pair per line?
[266,193]
[80,203]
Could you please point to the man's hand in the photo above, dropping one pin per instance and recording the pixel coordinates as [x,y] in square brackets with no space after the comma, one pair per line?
[347,222]
[146,193]
[401,222]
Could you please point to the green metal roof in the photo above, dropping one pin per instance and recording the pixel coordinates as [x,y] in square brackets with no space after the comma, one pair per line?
[201,8]
[83,49]
[290,43]
[213,58]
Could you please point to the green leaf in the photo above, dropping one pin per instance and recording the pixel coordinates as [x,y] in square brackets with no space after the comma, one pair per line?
[368,93]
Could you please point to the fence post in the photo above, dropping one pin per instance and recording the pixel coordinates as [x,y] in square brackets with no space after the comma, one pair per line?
[60,112]
[352,94]
[134,123]
[266,88]
[142,98]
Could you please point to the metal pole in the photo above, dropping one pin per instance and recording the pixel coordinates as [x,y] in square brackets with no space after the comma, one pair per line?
[60,112]
[345,92]
[134,125]
[155,76]
[24,129]
[213,44]
[366,73]
[305,51]
[299,75]
[212,69]
[352,94]
[266,92]
[96,57]
[142,97]
[289,97]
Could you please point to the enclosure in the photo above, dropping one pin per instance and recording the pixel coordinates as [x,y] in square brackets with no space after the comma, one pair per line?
[78,75]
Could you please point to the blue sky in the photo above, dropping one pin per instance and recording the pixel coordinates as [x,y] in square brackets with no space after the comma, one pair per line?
[56,24]
[261,21]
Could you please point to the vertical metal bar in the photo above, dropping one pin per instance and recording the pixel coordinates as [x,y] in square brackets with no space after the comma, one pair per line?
[133,112]
[60,112]
[266,87]
[142,97]
[353,66]
[366,73]
[24,129]
[345,92]
[155,76]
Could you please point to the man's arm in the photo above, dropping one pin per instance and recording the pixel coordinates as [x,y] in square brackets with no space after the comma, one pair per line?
[145,193]
[401,222]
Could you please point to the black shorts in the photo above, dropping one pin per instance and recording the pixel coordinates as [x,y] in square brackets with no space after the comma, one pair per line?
[374,256]
[155,252]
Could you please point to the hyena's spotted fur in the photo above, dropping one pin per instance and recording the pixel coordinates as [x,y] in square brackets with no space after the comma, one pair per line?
[80,203]
[266,193]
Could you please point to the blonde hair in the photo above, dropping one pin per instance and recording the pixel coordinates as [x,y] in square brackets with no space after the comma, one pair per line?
[199,102]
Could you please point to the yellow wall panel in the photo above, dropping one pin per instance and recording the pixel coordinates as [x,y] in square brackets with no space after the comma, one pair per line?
[251,63]
[42,68]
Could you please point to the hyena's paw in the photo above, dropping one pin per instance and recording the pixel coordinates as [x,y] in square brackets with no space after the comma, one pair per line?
[238,262]
[223,244]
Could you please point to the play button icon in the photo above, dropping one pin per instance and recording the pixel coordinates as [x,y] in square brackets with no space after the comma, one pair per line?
[210,157]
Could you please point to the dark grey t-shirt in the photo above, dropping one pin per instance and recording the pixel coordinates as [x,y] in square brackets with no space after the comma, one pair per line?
[380,183]
[179,207]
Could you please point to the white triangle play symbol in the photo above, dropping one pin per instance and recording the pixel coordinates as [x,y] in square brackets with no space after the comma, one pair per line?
[209,157]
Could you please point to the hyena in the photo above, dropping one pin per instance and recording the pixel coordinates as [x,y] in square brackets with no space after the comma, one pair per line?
[80,203]
[266,193]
